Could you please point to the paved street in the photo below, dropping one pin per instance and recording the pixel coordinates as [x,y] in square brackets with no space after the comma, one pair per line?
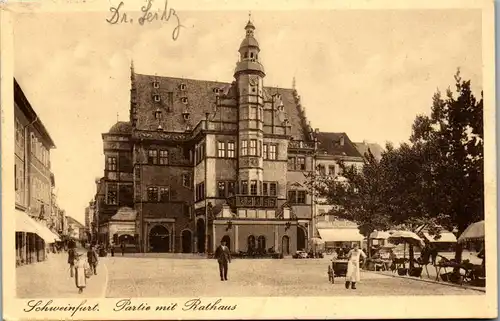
[51,279]
[156,276]
[166,277]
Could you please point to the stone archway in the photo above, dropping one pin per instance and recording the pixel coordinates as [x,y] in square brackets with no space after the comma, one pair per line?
[301,238]
[285,245]
[159,239]
[226,239]
[200,232]
[126,239]
[187,241]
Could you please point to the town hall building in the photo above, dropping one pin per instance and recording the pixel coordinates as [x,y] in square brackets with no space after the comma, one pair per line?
[204,161]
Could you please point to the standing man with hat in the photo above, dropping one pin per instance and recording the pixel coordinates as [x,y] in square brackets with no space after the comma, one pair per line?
[223,256]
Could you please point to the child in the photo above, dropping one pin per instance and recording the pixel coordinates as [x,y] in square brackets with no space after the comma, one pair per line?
[81,269]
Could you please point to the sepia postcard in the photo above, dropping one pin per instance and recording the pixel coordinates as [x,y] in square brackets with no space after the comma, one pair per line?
[166,159]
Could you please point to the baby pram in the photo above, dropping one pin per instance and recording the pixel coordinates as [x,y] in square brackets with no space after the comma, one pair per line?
[337,268]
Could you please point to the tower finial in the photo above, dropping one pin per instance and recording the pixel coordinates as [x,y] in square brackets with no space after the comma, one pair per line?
[117,117]
[249,15]
[294,83]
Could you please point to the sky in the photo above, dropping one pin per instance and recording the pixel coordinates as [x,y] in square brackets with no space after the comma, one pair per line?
[364,72]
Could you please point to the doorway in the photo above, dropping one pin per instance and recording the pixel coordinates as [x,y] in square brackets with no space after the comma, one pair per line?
[159,239]
[187,240]
[285,245]
[301,239]
[227,239]
[200,231]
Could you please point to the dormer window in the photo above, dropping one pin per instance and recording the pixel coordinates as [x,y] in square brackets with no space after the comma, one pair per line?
[185,115]
[184,100]
[156,98]
[182,86]
[156,84]
[158,114]
[216,91]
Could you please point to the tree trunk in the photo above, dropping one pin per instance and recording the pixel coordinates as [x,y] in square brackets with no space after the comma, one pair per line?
[410,253]
[368,246]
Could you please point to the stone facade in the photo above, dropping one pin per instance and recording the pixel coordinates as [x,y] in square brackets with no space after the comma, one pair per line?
[208,160]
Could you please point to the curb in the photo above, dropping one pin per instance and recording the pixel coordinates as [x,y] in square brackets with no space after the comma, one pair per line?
[465,287]
[106,280]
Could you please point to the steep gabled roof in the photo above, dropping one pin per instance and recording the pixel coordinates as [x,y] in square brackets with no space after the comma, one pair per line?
[331,144]
[201,99]
[72,220]
[374,148]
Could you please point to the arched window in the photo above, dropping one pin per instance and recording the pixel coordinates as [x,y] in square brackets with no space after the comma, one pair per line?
[251,55]
[261,242]
[251,243]
[246,54]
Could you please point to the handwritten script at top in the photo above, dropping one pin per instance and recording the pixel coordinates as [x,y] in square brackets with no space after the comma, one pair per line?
[117,16]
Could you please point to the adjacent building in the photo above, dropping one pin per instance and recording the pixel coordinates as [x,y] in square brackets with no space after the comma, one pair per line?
[76,230]
[36,212]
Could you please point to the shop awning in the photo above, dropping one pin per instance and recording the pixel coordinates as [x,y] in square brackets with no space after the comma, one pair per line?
[446,237]
[24,223]
[340,235]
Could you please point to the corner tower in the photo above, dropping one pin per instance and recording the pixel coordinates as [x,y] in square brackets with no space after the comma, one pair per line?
[249,74]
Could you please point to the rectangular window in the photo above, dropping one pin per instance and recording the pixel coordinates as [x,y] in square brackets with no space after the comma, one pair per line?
[163,157]
[272,151]
[331,170]
[244,187]
[322,170]
[230,149]
[153,194]
[264,189]
[292,196]
[186,180]
[221,189]
[291,163]
[231,188]
[17,129]
[16,178]
[221,149]
[153,156]
[170,99]
[301,197]
[253,188]
[301,163]
[264,151]
[253,147]
[112,194]
[164,194]
[244,148]
[111,164]
[253,113]
[272,189]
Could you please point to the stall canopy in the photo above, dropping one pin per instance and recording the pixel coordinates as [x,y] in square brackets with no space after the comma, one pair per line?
[340,235]
[445,237]
[26,224]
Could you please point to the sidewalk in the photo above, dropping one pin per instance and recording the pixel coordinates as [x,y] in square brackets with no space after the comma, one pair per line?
[51,279]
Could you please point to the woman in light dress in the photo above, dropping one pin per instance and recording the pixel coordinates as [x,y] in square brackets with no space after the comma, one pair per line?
[353,273]
[82,267]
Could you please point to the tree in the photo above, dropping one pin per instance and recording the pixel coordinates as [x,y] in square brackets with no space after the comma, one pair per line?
[356,195]
[452,138]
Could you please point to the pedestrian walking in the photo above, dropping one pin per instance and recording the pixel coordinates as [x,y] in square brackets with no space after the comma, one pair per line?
[353,272]
[92,259]
[71,261]
[122,246]
[223,256]
[112,249]
[82,272]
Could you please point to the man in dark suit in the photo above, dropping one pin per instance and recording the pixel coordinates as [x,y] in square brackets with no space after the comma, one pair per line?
[223,256]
